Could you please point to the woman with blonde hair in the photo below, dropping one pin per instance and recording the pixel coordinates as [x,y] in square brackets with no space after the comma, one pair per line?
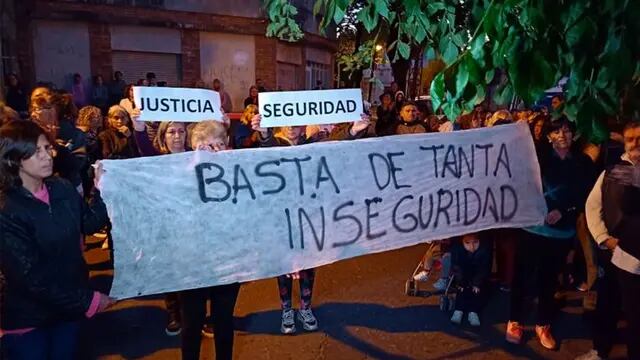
[241,135]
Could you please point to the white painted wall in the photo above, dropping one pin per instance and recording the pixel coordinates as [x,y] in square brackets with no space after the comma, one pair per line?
[60,50]
[230,58]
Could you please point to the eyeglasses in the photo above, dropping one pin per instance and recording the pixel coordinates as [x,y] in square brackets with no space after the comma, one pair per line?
[218,146]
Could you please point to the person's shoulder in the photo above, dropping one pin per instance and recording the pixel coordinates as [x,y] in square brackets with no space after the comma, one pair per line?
[59,186]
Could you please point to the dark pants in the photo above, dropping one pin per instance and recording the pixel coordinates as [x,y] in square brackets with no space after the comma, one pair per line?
[630,296]
[542,256]
[57,342]
[467,301]
[172,303]
[608,307]
[285,286]
[194,310]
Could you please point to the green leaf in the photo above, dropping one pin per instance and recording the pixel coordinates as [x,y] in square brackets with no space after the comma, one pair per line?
[458,40]
[382,8]
[368,20]
[603,79]
[451,110]
[450,53]
[473,69]
[477,48]
[338,14]
[434,7]
[437,91]
[404,49]
[504,96]
[317,8]
[462,78]
[488,77]
[420,34]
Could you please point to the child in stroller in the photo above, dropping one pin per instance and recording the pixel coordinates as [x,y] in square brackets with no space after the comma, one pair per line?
[471,266]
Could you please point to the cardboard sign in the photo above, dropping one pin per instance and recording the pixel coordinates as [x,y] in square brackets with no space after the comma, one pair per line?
[201,219]
[295,108]
[177,104]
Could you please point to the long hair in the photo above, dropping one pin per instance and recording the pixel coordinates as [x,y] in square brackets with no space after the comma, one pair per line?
[18,142]
[249,111]
[41,97]
[160,142]
[126,93]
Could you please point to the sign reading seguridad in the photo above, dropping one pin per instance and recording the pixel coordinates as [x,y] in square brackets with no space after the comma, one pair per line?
[294,108]
[177,104]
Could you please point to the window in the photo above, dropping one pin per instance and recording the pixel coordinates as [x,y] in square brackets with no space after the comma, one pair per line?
[318,72]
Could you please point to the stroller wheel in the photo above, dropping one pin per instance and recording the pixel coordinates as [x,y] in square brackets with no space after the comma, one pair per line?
[410,288]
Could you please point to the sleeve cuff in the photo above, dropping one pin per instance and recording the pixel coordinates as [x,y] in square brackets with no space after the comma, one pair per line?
[601,238]
[93,308]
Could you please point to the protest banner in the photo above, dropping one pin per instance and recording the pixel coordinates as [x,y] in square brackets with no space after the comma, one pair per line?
[176,104]
[313,107]
[200,219]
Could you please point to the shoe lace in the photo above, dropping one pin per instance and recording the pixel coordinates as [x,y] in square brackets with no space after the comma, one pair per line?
[307,315]
[287,315]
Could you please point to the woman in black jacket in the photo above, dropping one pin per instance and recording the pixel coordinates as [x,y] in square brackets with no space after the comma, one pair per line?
[42,220]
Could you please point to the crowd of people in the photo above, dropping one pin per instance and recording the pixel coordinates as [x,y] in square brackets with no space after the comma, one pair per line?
[51,143]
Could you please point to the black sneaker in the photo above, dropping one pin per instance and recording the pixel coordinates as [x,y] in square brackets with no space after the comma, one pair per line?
[173,328]
[207,331]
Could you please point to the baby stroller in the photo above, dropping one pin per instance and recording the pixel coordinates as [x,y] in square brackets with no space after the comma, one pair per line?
[448,299]
[412,287]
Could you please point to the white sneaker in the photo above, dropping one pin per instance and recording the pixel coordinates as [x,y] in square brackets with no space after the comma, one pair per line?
[457,317]
[288,325]
[474,319]
[591,355]
[309,321]
[441,284]
[421,276]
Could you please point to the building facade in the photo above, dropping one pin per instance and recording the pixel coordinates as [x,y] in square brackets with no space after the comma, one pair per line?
[184,42]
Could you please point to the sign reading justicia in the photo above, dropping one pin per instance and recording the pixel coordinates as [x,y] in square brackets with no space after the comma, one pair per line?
[176,104]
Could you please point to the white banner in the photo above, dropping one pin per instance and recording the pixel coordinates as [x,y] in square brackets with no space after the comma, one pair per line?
[177,104]
[293,108]
[200,219]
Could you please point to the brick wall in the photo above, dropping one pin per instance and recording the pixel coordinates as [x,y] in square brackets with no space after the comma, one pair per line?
[266,63]
[190,57]
[100,16]
[100,50]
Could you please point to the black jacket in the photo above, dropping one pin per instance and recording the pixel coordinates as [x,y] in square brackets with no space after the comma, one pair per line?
[621,212]
[567,183]
[471,269]
[46,279]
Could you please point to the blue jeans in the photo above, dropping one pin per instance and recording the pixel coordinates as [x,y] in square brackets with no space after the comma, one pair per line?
[56,342]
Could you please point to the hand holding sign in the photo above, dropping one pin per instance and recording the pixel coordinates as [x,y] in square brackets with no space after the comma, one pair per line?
[137,124]
[360,125]
[256,125]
